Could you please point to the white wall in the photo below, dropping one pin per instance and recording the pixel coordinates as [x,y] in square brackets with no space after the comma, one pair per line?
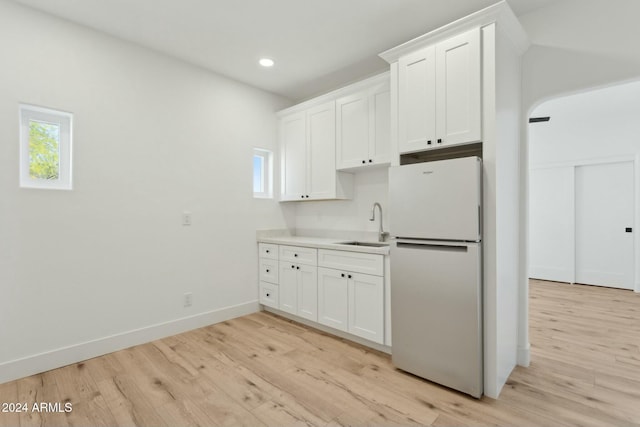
[153,137]
[501,133]
[580,44]
[551,224]
[508,102]
[348,215]
[597,124]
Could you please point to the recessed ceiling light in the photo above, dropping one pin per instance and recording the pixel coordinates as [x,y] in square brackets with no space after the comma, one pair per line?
[266,62]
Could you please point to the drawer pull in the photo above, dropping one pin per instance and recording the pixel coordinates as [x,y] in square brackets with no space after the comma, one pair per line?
[295,255]
[297,268]
[267,270]
[293,266]
[342,275]
[349,276]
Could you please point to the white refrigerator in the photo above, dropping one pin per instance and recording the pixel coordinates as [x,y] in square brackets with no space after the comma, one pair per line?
[436,271]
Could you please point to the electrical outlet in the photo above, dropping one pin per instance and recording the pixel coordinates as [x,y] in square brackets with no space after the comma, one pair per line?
[188,299]
[186,218]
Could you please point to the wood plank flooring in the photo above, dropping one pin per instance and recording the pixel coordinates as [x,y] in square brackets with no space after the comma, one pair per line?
[263,370]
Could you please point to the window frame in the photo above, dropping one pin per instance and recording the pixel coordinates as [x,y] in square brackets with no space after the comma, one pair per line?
[267,173]
[64,120]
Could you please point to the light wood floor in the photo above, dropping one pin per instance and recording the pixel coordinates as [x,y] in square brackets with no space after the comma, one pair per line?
[264,370]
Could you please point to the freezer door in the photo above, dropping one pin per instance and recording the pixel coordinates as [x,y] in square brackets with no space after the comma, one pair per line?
[436,314]
[436,200]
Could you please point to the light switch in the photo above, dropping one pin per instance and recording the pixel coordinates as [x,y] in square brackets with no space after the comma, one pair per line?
[186,218]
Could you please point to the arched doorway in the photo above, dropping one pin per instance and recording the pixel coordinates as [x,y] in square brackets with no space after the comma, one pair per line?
[583,188]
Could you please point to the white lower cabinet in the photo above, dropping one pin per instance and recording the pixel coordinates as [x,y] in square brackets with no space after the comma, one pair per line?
[288,284]
[308,292]
[298,290]
[333,295]
[366,306]
[344,291]
[268,274]
[350,299]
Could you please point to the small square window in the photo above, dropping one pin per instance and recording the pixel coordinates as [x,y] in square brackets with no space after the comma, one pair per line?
[262,173]
[45,148]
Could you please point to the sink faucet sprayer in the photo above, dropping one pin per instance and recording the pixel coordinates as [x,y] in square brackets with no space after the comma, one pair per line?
[381,234]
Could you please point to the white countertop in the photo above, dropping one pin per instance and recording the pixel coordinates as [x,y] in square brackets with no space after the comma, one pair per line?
[324,243]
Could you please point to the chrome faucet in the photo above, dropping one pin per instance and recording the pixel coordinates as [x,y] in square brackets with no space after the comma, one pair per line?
[381,234]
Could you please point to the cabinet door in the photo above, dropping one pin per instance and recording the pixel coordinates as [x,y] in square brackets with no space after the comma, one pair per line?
[366,306]
[380,124]
[293,148]
[333,297]
[458,89]
[308,292]
[321,152]
[417,100]
[288,288]
[353,130]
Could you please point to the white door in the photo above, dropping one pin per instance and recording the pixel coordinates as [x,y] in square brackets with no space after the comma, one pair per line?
[321,152]
[417,100]
[294,156]
[352,136]
[604,222]
[366,306]
[288,288]
[458,83]
[333,298]
[308,292]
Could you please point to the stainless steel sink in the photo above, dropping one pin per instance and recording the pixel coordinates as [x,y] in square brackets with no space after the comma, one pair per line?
[372,244]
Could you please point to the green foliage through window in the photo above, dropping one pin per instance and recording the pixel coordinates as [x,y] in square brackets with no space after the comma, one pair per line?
[44,150]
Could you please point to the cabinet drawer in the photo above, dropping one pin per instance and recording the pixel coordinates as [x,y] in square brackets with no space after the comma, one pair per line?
[268,270]
[268,250]
[269,294]
[299,255]
[356,262]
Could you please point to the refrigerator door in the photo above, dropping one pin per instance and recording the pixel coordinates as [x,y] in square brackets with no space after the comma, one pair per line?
[436,200]
[436,312]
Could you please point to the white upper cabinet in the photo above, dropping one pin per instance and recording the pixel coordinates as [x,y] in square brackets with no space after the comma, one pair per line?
[307,144]
[458,89]
[439,89]
[321,156]
[363,128]
[293,144]
[417,100]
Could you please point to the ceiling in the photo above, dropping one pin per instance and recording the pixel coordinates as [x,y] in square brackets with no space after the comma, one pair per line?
[318,45]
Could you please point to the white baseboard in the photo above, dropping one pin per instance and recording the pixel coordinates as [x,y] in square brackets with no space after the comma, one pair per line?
[42,362]
[380,347]
[524,355]
[553,274]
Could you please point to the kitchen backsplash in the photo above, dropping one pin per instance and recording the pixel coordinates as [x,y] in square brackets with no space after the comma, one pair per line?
[347,215]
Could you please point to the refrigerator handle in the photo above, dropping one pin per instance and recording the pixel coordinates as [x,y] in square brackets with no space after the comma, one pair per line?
[451,247]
